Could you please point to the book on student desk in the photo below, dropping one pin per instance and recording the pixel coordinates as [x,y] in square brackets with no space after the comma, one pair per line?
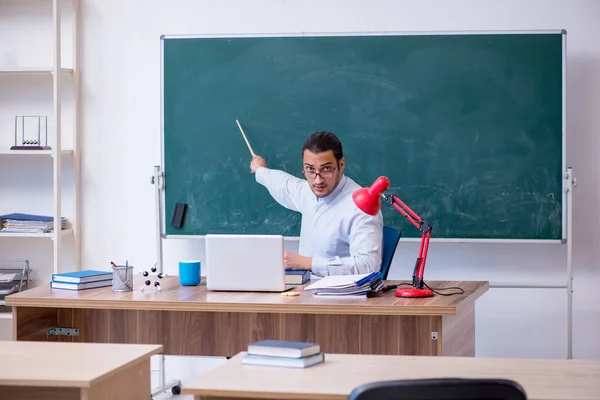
[304,362]
[283,348]
[296,276]
[82,276]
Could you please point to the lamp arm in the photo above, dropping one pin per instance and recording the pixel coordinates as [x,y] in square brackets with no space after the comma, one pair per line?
[423,226]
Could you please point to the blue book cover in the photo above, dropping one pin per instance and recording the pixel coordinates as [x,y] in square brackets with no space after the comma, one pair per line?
[88,275]
[283,348]
[27,217]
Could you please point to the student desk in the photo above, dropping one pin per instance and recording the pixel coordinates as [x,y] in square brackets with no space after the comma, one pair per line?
[193,321]
[542,379]
[69,371]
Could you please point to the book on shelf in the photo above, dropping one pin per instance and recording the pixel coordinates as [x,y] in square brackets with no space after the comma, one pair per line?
[281,353]
[296,276]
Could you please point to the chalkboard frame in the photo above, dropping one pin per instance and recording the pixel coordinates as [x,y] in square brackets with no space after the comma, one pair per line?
[163,217]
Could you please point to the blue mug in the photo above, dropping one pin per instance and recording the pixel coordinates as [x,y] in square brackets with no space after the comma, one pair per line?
[189,273]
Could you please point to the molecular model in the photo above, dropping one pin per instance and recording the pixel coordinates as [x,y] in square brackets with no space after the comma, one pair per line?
[152,272]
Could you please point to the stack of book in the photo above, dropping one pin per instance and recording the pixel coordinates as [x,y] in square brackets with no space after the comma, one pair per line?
[29,223]
[361,285]
[79,280]
[281,353]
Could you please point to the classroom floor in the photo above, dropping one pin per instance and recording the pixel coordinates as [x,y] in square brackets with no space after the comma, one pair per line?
[185,368]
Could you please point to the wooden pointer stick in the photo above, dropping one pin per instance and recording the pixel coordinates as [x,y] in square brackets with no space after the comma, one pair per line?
[246,139]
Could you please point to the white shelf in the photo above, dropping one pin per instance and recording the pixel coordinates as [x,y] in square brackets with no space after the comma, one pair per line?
[33,70]
[63,232]
[46,72]
[5,315]
[34,152]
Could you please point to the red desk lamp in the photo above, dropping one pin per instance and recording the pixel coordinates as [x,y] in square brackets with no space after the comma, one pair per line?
[369,201]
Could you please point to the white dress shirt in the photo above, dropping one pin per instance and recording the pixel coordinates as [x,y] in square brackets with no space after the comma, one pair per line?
[339,237]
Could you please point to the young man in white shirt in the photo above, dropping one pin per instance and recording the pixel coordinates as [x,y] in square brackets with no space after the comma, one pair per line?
[336,237]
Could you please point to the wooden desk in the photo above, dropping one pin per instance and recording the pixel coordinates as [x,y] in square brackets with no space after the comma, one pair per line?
[542,379]
[193,321]
[69,371]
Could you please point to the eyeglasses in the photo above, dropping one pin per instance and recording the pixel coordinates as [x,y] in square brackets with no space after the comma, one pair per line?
[325,173]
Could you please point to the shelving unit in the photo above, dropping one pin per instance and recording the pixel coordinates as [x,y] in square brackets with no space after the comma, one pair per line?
[59,75]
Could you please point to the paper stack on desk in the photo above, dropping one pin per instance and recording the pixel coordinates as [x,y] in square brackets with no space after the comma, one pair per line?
[360,285]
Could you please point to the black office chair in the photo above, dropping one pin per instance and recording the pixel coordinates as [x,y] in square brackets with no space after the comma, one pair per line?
[440,389]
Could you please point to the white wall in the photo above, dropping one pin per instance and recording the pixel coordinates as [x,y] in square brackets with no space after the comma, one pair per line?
[121,144]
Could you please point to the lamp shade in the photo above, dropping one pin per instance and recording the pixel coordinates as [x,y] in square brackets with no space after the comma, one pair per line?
[369,199]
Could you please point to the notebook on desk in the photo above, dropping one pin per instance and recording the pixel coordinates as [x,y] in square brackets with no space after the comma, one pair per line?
[245,263]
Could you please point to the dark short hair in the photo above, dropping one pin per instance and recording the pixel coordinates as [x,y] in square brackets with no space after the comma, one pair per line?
[322,141]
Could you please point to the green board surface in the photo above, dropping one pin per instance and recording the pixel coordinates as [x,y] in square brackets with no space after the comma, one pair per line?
[467,127]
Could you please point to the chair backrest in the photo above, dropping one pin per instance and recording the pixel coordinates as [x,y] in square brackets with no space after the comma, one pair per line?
[391,237]
[440,389]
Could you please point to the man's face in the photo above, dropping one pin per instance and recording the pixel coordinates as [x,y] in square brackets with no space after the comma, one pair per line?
[328,171]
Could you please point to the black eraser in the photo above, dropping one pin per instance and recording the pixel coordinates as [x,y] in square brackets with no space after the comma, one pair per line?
[178,215]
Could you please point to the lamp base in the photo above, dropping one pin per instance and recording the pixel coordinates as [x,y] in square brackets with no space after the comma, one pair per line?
[414,292]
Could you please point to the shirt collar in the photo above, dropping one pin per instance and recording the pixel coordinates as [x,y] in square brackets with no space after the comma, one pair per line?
[331,196]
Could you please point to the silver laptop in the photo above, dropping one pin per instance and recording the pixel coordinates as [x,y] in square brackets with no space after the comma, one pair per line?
[245,263]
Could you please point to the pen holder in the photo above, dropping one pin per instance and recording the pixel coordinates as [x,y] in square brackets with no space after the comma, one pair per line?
[122,280]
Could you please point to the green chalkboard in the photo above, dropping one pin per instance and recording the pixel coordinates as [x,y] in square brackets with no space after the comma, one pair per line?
[467,127]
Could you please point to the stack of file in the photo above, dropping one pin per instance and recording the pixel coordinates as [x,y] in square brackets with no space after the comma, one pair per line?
[361,285]
[29,223]
[281,353]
